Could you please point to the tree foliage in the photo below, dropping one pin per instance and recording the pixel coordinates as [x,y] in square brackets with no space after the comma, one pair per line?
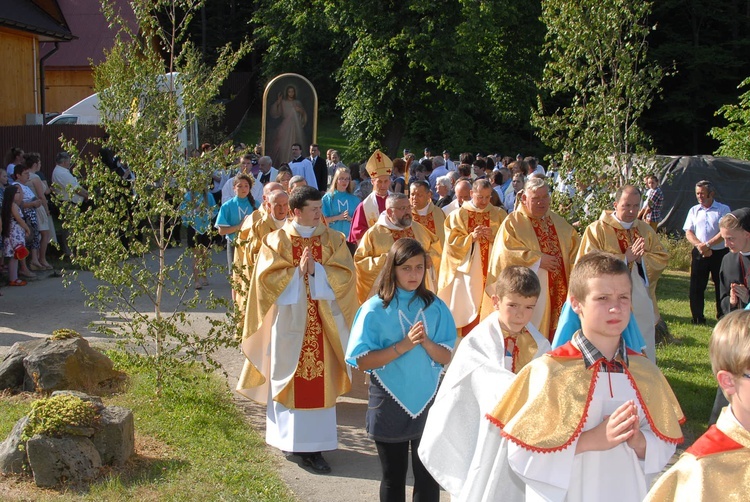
[735,136]
[706,43]
[597,82]
[458,73]
[123,236]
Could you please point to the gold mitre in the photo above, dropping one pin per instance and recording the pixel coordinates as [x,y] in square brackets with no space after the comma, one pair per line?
[379,165]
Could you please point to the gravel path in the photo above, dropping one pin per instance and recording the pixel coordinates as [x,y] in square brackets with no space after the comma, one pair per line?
[35,310]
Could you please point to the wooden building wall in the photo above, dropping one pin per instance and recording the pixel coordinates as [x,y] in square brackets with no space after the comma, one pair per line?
[17,85]
[65,87]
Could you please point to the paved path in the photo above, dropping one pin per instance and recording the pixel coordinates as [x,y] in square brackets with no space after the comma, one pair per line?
[44,305]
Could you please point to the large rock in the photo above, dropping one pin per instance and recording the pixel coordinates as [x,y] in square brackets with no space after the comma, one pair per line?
[70,458]
[66,364]
[13,459]
[12,371]
[115,435]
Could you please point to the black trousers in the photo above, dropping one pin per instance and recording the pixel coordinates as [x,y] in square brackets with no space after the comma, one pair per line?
[700,269]
[394,459]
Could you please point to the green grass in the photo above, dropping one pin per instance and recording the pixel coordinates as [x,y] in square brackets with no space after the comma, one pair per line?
[685,361]
[196,446]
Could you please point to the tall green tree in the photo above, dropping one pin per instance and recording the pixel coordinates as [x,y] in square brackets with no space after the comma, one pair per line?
[458,73]
[706,43]
[735,136]
[597,83]
[123,236]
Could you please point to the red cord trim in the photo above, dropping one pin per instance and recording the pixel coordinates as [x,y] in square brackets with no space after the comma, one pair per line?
[650,420]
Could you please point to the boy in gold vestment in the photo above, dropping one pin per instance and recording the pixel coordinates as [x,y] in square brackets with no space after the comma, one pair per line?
[717,465]
[590,420]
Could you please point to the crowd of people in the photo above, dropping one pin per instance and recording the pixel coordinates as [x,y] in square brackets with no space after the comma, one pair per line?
[480,313]
[386,281]
[26,226]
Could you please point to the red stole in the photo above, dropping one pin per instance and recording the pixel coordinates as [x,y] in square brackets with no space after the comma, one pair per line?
[427,221]
[474,219]
[309,381]
[549,244]
[625,238]
[400,234]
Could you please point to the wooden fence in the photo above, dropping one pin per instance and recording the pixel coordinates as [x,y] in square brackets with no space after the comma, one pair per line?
[45,139]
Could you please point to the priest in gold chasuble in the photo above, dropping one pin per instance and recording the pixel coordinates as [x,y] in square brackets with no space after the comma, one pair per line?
[469,235]
[424,212]
[273,215]
[535,237]
[298,312]
[620,232]
[393,224]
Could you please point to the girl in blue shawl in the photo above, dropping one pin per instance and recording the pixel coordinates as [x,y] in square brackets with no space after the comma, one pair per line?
[402,337]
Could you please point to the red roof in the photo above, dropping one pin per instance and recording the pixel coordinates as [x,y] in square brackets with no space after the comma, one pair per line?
[87,22]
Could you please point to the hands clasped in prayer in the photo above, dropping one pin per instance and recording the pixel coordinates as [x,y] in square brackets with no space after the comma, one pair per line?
[619,427]
[481,232]
[636,251]
[307,262]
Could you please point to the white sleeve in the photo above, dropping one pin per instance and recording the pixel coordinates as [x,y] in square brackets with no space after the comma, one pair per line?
[291,294]
[319,287]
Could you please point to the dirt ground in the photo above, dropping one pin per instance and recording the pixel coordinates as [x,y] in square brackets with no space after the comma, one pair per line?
[45,304]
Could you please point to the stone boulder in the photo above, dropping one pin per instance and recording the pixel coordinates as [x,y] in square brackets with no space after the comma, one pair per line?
[115,435]
[66,364]
[12,458]
[12,372]
[79,453]
[70,458]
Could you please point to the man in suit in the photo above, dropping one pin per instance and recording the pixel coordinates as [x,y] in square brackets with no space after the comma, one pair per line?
[319,167]
[301,166]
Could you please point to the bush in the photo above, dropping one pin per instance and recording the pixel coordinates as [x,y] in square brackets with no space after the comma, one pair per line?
[679,250]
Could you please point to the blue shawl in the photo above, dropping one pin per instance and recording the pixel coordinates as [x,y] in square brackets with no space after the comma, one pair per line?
[411,379]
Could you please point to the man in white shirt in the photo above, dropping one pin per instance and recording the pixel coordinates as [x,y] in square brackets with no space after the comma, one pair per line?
[449,164]
[702,231]
[65,184]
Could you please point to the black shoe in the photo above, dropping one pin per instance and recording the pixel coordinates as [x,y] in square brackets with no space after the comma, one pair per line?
[700,320]
[316,462]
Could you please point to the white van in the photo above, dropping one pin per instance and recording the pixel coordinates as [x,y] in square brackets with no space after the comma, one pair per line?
[87,111]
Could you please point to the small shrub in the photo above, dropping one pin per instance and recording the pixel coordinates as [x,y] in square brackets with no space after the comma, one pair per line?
[56,415]
[680,252]
[64,334]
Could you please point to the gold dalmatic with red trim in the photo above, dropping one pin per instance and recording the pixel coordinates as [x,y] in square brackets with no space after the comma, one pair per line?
[625,239]
[427,221]
[549,244]
[400,234]
[544,417]
[309,378]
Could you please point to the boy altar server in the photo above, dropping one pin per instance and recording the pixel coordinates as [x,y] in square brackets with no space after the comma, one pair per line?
[591,420]
[459,447]
[717,466]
